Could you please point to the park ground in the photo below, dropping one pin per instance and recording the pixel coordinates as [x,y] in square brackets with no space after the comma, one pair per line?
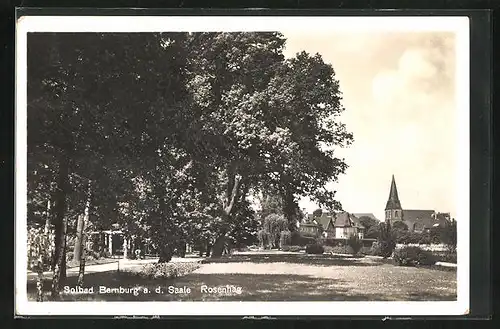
[273,276]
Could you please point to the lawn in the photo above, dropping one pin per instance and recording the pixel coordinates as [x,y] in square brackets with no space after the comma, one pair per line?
[280,277]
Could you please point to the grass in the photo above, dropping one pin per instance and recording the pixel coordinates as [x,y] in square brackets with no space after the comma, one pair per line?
[287,277]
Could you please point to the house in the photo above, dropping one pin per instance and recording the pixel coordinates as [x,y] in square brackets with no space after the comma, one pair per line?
[309,229]
[417,220]
[347,225]
[339,225]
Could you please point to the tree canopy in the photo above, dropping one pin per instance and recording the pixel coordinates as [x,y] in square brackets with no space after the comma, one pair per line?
[173,132]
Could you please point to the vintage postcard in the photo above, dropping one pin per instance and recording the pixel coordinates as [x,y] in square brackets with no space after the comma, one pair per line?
[242,166]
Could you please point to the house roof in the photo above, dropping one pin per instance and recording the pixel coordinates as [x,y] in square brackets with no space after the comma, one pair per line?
[370,215]
[393,201]
[325,221]
[338,219]
[344,219]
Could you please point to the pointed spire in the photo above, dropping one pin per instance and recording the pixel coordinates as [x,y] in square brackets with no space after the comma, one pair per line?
[393,202]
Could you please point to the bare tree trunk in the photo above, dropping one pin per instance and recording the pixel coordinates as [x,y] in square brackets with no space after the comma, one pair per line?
[63,265]
[83,238]
[42,261]
[47,222]
[78,242]
[81,270]
[39,285]
[60,223]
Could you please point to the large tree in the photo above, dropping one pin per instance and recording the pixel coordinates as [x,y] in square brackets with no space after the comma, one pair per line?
[103,107]
[175,130]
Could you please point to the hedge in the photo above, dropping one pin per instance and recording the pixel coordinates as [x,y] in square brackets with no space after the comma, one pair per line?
[412,256]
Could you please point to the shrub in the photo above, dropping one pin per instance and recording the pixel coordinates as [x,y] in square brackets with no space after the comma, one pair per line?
[376,249]
[355,243]
[344,250]
[425,239]
[285,238]
[273,224]
[314,249]
[104,254]
[264,238]
[292,248]
[69,256]
[333,242]
[167,270]
[89,257]
[366,250]
[297,239]
[449,256]
[412,256]
[387,241]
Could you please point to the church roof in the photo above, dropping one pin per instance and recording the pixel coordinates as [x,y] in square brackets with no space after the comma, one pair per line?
[393,202]
[423,218]
[416,214]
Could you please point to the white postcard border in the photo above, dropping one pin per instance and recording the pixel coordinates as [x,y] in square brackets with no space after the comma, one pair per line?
[458,25]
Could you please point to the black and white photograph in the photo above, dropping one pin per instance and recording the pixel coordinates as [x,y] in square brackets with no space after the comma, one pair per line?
[167,164]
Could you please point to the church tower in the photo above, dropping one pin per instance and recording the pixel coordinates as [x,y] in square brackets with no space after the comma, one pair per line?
[393,210]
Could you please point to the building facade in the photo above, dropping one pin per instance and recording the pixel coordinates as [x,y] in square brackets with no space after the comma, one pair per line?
[338,225]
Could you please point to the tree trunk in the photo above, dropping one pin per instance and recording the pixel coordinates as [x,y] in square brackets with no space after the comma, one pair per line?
[208,250]
[78,242]
[218,247]
[59,266]
[39,284]
[47,222]
[81,270]
[233,186]
[63,267]
[166,254]
[59,261]
[290,210]
[83,239]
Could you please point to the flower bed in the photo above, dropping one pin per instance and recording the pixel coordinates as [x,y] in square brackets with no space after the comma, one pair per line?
[167,270]
[292,248]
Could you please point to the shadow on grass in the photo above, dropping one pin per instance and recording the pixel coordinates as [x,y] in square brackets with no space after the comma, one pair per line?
[254,287]
[317,260]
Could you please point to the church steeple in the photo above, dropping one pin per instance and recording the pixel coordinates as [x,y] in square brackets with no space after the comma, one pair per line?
[393,210]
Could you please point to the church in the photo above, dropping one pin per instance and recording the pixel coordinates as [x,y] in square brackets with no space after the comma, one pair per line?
[417,220]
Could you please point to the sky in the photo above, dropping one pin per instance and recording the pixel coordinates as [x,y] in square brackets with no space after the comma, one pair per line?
[399,95]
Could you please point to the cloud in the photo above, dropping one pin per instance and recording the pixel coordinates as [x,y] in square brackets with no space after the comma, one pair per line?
[399,95]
